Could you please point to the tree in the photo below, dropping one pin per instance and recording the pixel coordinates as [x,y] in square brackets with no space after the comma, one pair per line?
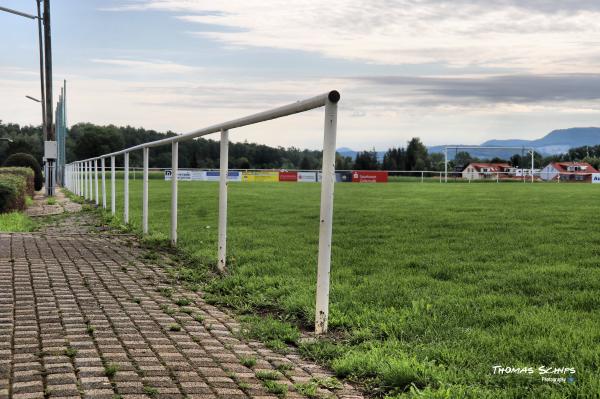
[394,159]
[342,162]
[366,160]
[416,154]
[462,159]
[305,164]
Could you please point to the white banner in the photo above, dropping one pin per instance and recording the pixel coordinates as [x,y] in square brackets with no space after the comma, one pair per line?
[595,177]
[182,175]
[307,177]
[215,175]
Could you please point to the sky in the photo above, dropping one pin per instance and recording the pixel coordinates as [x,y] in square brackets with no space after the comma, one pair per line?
[449,72]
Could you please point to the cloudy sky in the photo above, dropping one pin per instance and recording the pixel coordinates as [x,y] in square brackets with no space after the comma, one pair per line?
[459,71]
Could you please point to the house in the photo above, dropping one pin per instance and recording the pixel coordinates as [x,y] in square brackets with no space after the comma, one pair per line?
[568,172]
[477,170]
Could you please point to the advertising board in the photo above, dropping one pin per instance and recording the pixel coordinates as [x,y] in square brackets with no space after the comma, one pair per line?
[369,176]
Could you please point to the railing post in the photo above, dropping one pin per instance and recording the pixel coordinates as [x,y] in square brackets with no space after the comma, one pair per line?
[174,167]
[103,163]
[146,151]
[126,190]
[422,177]
[80,178]
[87,178]
[113,190]
[96,181]
[224,159]
[90,181]
[83,179]
[326,219]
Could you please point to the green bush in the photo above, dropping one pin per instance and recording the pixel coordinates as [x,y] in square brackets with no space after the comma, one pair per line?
[26,173]
[12,192]
[26,160]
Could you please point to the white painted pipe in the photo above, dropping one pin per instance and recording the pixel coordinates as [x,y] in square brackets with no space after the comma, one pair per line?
[96,181]
[87,179]
[174,167]
[126,191]
[84,184]
[224,159]
[145,192]
[103,163]
[113,191]
[90,181]
[326,220]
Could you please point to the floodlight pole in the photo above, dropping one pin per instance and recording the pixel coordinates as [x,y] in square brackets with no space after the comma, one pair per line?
[45,52]
[41,50]
[51,147]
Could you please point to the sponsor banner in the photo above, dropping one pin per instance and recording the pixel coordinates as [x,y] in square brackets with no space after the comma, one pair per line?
[369,176]
[340,177]
[595,177]
[288,176]
[307,177]
[198,175]
[215,175]
[343,177]
[260,176]
[182,175]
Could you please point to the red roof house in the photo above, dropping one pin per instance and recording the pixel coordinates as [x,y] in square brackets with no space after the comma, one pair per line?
[568,171]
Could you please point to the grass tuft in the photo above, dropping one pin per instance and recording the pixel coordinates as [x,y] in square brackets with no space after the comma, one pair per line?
[110,370]
[248,361]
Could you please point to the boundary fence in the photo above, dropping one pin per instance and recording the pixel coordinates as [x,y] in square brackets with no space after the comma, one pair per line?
[378,176]
[82,179]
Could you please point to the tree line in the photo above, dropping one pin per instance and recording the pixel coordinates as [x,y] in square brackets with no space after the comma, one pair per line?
[86,140]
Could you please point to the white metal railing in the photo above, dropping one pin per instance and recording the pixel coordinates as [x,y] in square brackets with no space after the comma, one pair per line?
[80,174]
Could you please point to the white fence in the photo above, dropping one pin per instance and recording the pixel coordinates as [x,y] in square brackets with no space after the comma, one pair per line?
[82,179]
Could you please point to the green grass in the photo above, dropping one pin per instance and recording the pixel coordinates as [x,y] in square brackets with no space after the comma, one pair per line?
[110,370]
[16,222]
[431,285]
[248,361]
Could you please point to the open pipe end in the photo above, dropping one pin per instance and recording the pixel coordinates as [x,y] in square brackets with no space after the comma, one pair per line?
[334,96]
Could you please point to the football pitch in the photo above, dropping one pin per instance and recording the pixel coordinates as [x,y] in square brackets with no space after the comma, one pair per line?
[433,286]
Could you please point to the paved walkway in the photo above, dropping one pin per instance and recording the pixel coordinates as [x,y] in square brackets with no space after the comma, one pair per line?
[40,206]
[82,316]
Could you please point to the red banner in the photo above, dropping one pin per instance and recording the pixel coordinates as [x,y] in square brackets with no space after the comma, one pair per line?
[288,176]
[369,176]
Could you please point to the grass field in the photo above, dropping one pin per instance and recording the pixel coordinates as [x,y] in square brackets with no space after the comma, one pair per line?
[432,285]
[16,222]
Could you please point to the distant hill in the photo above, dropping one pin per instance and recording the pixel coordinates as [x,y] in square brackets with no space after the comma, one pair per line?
[555,142]
[348,152]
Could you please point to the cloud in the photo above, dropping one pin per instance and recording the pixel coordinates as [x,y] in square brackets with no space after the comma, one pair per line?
[515,89]
[537,35]
[156,66]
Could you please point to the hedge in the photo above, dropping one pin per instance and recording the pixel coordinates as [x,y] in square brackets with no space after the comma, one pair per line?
[26,173]
[13,188]
[22,159]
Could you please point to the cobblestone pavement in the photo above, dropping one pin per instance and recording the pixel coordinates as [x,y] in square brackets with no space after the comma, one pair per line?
[83,316]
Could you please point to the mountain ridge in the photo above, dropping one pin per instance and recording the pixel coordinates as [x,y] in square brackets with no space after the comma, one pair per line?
[556,142]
